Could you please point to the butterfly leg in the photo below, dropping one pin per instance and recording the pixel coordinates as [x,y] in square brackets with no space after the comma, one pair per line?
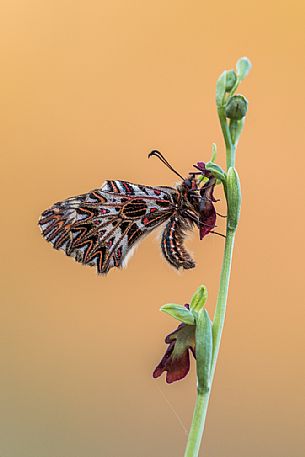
[190,215]
[216,233]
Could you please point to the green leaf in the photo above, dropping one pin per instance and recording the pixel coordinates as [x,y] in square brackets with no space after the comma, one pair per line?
[221,89]
[216,170]
[199,298]
[204,350]
[179,312]
[233,198]
[243,66]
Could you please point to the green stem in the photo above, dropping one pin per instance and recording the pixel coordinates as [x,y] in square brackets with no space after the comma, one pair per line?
[230,146]
[198,422]
[197,427]
[225,130]
[220,311]
[196,431]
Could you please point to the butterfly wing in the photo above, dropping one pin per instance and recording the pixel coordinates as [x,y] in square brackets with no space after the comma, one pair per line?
[101,227]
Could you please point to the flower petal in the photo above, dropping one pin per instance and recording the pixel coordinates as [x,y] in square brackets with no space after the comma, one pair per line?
[208,221]
[176,360]
[200,166]
[178,367]
[207,211]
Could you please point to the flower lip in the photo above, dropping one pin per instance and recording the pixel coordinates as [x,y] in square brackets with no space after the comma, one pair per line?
[207,218]
[207,211]
[176,360]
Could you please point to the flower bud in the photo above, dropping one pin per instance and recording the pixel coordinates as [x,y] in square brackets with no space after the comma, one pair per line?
[243,66]
[204,350]
[220,89]
[230,80]
[199,298]
[236,108]
[233,195]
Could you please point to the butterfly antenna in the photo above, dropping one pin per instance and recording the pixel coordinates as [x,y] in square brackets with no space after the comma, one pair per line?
[163,159]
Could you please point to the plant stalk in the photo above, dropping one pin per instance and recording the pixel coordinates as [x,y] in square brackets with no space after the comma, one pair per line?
[197,427]
[196,430]
[200,411]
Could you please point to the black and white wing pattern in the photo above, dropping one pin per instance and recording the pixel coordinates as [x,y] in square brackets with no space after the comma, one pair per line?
[101,227]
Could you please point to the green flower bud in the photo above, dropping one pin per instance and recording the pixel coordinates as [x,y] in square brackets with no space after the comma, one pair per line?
[231,79]
[204,350]
[243,66]
[199,298]
[236,108]
[220,89]
[233,198]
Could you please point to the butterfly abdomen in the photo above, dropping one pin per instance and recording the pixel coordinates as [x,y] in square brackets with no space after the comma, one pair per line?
[172,245]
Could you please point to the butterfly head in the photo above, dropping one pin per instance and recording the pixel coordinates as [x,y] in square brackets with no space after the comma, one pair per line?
[197,195]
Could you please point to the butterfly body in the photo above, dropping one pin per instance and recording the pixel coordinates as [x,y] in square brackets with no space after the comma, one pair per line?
[101,227]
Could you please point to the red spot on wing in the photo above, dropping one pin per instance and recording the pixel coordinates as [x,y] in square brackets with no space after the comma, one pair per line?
[145,220]
[157,191]
[153,210]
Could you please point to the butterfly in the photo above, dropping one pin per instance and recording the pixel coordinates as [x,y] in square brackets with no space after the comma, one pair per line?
[100,228]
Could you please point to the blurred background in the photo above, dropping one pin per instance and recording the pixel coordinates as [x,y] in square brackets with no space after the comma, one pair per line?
[87,90]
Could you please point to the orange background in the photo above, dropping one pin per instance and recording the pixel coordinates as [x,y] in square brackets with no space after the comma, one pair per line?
[88,89]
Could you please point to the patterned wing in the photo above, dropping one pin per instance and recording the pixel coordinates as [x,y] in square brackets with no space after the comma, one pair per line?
[100,228]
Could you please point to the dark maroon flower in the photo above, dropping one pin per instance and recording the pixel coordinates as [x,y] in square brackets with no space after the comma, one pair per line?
[201,167]
[176,360]
[207,219]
